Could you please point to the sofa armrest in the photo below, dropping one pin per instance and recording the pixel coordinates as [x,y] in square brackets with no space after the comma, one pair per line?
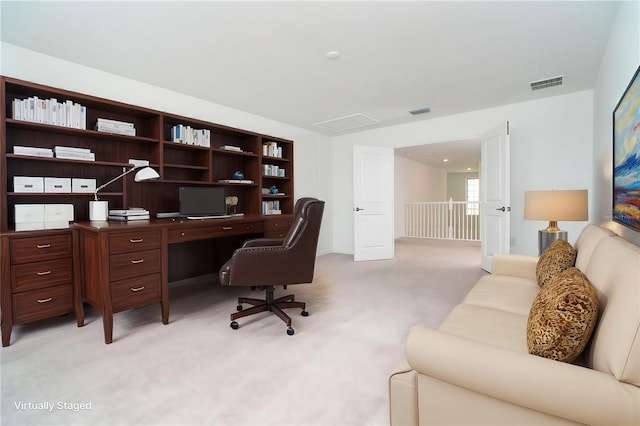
[514,265]
[564,390]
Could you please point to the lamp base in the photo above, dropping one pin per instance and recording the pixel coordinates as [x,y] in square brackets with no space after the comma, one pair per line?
[98,210]
[545,238]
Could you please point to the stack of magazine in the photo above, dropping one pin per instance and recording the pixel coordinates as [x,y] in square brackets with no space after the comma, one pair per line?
[128,215]
[72,153]
[114,126]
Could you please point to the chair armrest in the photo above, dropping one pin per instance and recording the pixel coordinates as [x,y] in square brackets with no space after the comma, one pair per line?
[514,265]
[263,242]
[564,390]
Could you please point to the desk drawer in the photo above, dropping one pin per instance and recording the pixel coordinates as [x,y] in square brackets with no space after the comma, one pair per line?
[42,247]
[136,264]
[277,228]
[134,241]
[214,231]
[30,276]
[45,303]
[134,292]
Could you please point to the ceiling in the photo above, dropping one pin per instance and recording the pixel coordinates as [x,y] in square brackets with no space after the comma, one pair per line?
[270,58]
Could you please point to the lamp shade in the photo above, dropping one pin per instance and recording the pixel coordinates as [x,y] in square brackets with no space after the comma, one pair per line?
[570,205]
[145,173]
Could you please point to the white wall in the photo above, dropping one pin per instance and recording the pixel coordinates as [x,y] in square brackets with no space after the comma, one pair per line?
[312,159]
[620,61]
[414,182]
[551,148]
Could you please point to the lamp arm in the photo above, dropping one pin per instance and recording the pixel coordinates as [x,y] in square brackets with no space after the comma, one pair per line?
[95,193]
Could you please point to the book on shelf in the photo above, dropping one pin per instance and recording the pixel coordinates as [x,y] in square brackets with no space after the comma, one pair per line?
[113,126]
[71,153]
[32,151]
[129,212]
[129,218]
[50,111]
[231,148]
[271,149]
[235,181]
[188,135]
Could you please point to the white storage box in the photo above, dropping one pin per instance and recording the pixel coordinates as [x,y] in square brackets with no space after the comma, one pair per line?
[83,185]
[58,213]
[53,184]
[29,217]
[56,225]
[29,226]
[28,184]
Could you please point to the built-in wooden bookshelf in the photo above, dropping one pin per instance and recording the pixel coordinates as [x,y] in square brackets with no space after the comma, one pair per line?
[178,164]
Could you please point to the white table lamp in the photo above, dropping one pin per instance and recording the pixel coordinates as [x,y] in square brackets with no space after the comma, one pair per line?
[99,210]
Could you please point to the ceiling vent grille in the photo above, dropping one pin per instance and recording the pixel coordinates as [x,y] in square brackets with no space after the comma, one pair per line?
[548,82]
[419,111]
[348,122]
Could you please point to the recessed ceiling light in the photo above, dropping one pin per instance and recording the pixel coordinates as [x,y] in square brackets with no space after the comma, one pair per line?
[445,160]
[333,55]
[468,169]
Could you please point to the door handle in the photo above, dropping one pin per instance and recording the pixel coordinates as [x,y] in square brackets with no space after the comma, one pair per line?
[507,209]
[358,209]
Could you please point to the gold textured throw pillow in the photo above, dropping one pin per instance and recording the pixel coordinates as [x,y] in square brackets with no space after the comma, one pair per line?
[559,256]
[562,317]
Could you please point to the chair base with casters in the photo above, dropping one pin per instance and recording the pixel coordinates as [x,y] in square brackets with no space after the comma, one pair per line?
[268,305]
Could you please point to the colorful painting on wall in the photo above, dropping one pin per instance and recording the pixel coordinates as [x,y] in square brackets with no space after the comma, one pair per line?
[626,156]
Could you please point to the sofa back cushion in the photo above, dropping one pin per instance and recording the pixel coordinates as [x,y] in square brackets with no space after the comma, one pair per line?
[614,271]
[587,242]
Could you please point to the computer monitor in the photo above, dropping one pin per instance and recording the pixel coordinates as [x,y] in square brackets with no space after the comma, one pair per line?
[202,201]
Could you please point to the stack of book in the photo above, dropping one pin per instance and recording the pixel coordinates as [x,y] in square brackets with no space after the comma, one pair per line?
[190,136]
[114,126]
[129,215]
[50,111]
[271,149]
[32,151]
[71,153]
[271,207]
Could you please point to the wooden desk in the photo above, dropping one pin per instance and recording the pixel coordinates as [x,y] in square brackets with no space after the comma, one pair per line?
[121,266]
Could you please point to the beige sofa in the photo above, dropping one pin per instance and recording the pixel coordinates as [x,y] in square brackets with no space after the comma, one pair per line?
[475,369]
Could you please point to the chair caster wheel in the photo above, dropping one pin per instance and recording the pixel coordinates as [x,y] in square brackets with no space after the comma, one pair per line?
[304,313]
[234,325]
[239,307]
[290,331]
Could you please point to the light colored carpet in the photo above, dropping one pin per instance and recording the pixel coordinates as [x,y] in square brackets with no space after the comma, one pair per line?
[198,371]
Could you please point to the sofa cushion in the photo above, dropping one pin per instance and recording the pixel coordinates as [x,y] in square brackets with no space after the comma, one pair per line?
[562,317]
[560,255]
[615,344]
[510,294]
[586,243]
[491,326]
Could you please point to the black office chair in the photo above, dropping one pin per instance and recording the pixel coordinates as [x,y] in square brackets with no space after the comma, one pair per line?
[269,262]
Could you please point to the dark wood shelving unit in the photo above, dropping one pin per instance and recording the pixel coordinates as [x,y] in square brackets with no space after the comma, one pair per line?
[177,163]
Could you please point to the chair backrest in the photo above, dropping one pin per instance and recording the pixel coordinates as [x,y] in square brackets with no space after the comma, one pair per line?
[302,238]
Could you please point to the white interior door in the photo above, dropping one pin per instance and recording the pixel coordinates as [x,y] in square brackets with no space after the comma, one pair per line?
[494,194]
[373,203]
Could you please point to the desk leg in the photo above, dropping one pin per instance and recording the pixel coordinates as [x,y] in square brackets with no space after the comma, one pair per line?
[164,283]
[107,323]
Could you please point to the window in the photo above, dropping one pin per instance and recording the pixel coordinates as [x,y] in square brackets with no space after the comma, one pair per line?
[473,196]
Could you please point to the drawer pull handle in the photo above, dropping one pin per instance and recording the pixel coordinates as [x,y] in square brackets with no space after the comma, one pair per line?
[137,261]
[41,246]
[227,228]
[43,273]
[45,300]
[138,240]
[137,288]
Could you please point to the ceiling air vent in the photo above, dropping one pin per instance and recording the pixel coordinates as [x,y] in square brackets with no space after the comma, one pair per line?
[547,82]
[419,111]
